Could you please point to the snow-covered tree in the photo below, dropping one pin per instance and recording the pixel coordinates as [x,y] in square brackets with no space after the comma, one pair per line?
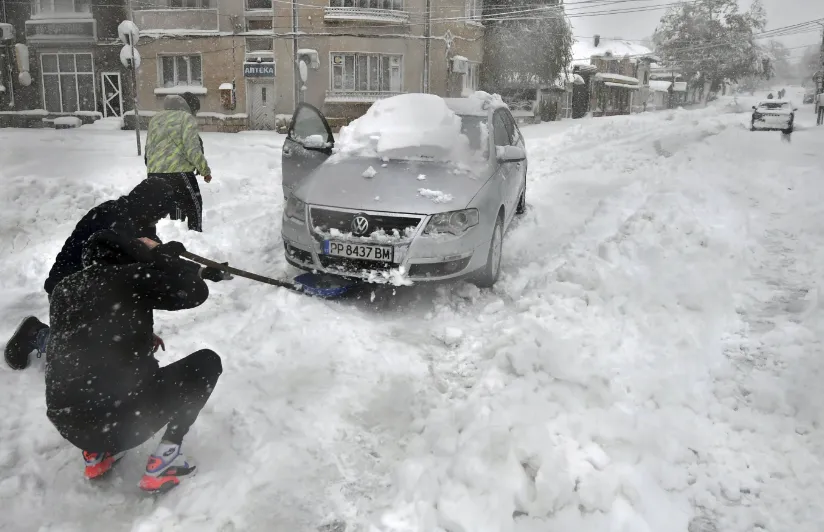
[711,41]
[780,63]
[524,42]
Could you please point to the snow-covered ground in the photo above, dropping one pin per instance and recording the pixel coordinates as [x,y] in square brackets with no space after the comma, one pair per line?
[650,358]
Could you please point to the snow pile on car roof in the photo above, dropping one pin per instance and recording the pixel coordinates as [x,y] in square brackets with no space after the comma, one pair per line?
[406,126]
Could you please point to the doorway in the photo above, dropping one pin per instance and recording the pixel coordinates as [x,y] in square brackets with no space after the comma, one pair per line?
[261,96]
[112,94]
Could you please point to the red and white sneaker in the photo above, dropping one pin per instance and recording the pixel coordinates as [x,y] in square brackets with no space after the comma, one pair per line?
[165,468]
[98,464]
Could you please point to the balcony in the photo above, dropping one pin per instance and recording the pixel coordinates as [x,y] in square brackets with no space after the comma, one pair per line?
[365,14]
[61,30]
[177,19]
[338,96]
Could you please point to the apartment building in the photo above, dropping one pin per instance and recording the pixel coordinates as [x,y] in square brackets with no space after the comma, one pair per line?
[62,58]
[252,61]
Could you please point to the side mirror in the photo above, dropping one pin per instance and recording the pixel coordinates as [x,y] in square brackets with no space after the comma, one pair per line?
[509,154]
[754,108]
[314,142]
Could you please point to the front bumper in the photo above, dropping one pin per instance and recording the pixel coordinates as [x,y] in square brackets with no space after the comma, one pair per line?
[417,257]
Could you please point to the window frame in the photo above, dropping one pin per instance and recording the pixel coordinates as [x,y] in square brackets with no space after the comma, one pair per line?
[473,73]
[59,74]
[473,10]
[160,76]
[198,6]
[355,75]
[247,8]
[38,6]
[386,5]
[260,38]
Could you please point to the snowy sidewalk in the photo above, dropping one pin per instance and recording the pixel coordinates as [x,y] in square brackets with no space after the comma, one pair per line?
[650,355]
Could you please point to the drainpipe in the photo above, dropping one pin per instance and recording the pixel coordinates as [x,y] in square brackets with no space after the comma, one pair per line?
[427,36]
[295,73]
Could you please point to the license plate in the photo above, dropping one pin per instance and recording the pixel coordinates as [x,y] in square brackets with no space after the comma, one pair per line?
[358,251]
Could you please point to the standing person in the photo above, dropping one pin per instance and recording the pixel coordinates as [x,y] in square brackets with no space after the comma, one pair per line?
[134,215]
[174,151]
[105,391]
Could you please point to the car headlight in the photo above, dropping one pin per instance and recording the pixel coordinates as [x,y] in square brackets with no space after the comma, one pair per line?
[295,209]
[455,222]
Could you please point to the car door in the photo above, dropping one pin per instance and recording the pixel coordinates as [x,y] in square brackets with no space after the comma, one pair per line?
[507,171]
[308,144]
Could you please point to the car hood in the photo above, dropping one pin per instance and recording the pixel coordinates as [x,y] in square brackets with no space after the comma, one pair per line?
[400,186]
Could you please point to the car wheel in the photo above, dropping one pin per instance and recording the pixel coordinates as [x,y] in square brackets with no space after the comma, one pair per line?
[521,208]
[492,270]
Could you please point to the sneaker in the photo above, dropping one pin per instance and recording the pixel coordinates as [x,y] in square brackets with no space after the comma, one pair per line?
[165,468]
[23,342]
[98,464]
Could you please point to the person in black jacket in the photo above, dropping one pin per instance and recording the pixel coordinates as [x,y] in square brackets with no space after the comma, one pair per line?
[133,215]
[105,391]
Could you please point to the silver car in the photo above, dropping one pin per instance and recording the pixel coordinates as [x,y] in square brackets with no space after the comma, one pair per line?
[338,220]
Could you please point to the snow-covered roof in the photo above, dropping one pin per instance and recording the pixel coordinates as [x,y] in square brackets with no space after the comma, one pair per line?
[616,78]
[225,87]
[476,104]
[584,50]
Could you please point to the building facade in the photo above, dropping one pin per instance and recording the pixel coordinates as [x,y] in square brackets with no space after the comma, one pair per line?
[252,61]
[63,60]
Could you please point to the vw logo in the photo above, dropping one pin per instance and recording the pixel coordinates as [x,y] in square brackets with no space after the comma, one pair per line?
[360,225]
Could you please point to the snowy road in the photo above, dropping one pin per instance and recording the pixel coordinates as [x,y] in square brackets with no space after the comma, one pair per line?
[650,357]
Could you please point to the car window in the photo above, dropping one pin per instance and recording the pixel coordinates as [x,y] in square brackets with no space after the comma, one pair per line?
[502,137]
[307,122]
[511,128]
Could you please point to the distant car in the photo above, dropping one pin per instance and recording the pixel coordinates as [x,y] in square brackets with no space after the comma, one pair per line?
[773,115]
[411,203]
[809,97]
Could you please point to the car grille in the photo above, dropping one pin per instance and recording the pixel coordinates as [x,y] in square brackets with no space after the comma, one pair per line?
[352,265]
[326,219]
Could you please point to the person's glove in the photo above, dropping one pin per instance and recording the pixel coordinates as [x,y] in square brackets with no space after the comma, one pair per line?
[170,249]
[215,274]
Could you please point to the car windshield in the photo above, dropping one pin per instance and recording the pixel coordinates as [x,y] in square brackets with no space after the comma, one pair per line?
[773,105]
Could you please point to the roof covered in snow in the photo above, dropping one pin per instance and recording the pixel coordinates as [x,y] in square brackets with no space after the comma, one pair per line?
[584,50]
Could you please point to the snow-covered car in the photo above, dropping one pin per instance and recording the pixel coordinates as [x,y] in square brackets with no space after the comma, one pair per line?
[772,115]
[420,186]
[809,96]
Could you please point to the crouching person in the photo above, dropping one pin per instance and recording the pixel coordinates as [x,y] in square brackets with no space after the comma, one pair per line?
[105,391]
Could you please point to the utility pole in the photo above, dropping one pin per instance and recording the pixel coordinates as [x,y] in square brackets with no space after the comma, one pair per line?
[295,66]
[426,45]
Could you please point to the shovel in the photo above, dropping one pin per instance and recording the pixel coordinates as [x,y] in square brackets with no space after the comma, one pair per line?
[307,283]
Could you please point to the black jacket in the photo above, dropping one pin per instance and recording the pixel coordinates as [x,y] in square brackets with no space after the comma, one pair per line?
[134,215]
[100,345]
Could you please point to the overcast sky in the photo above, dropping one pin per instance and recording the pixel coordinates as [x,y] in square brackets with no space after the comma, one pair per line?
[640,25]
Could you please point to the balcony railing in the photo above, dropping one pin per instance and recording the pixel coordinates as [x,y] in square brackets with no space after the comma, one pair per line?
[366,14]
[339,96]
[205,20]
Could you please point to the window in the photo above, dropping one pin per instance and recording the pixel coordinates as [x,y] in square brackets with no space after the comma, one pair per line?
[68,82]
[258,4]
[62,6]
[259,44]
[367,72]
[178,70]
[501,134]
[470,80]
[191,4]
[369,4]
[257,24]
[474,10]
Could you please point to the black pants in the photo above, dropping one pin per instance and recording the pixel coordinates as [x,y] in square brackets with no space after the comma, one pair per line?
[187,197]
[172,398]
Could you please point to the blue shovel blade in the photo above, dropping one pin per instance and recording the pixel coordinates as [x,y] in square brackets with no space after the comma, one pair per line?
[324,285]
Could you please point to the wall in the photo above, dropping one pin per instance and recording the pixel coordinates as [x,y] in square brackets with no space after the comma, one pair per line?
[222,61]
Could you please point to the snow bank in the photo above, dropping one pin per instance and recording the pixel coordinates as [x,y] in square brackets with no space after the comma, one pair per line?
[435,195]
[406,126]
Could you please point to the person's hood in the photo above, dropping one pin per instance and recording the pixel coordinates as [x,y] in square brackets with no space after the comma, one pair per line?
[173,102]
[151,200]
[110,248]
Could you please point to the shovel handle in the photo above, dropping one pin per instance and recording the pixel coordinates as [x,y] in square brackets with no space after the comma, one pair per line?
[241,273]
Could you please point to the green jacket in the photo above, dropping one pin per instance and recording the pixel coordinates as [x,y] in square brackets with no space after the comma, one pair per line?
[172,144]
